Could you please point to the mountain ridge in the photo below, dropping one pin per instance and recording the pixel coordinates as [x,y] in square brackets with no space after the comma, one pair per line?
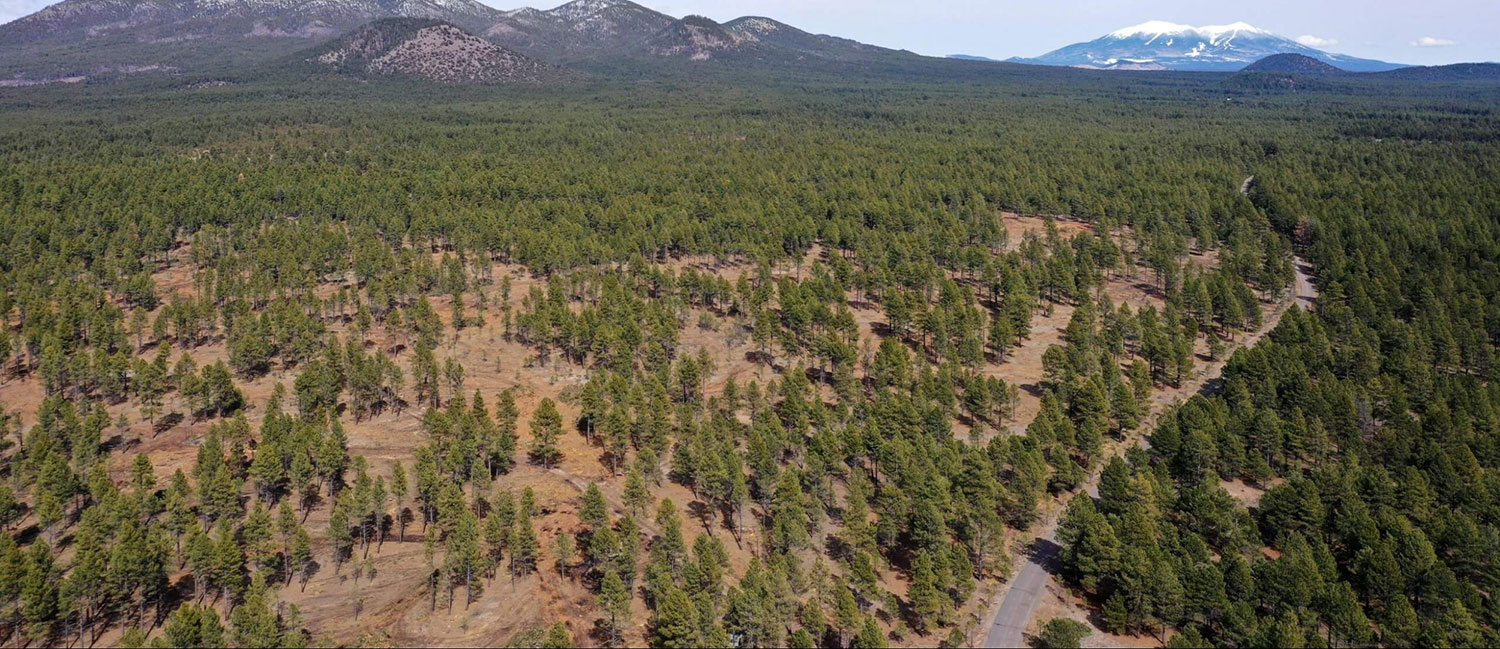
[578,30]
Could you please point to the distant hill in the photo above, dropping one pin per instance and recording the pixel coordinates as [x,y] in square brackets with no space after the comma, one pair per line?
[971,57]
[1159,45]
[1291,64]
[1453,72]
[428,50]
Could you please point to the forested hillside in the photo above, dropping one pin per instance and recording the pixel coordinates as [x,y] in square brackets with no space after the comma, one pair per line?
[693,363]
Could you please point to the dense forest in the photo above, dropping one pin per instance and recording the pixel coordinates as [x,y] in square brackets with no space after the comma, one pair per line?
[707,363]
[1372,424]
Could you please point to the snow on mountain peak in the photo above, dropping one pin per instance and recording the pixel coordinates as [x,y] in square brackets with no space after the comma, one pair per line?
[1152,28]
[580,9]
[757,24]
[1215,31]
[1156,28]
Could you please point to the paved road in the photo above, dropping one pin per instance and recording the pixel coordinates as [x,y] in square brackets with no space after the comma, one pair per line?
[1008,629]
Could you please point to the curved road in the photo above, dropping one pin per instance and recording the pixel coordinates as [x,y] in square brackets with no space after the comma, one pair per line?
[1008,626]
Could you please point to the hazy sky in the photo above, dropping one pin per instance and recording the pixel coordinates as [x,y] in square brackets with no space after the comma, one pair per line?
[1404,31]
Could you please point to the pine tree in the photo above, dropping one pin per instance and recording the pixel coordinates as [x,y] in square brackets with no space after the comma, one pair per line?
[1116,616]
[302,554]
[594,512]
[869,637]
[675,622]
[671,545]
[1091,551]
[617,437]
[194,626]
[424,374]
[464,559]
[557,637]
[563,551]
[338,535]
[546,428]
[801,639]
[637,495]
[39,592]
[132,638]
[229,565]
[614,600]
[333,457]
[1062,633]
[453,375]
[846,615]
[502,447]
[253,624]
[523,544]
[926,601]
[400,487]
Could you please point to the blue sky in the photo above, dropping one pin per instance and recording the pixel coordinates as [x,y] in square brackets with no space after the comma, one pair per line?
[1405,31]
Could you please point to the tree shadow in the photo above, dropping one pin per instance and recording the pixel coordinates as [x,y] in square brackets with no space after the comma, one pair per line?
[817,375]
[310,501]
[115,442]
[602,634]
[836,548]
[703,513]
[166,422]
[1047,554]
[1211,386]
[307,572]
[27,535]
[761,358]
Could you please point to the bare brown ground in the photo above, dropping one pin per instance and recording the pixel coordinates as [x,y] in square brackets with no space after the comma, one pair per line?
[1018,226]
[1247,494]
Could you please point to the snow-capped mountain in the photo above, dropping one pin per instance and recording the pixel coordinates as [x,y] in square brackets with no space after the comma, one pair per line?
[1160,45]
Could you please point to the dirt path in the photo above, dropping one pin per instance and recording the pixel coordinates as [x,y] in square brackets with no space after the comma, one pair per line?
[1011,612]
